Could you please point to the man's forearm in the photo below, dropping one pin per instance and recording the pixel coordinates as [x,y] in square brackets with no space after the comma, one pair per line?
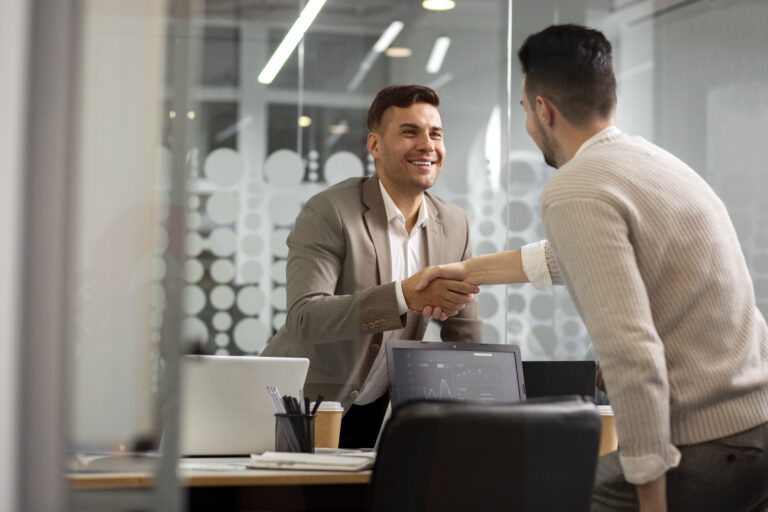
[652,496]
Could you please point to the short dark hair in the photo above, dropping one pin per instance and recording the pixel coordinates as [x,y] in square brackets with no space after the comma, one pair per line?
[398,96]
[572,66]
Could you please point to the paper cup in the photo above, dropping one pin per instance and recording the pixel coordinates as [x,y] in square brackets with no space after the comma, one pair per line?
[609,441]
[328,424]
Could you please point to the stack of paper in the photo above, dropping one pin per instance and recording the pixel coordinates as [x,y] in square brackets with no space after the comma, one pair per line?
[313,461]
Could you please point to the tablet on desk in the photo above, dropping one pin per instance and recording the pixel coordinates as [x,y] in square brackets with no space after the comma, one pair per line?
[454,371]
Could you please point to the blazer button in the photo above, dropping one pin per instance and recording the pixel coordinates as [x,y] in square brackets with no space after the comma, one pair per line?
[365,326]
[375,348]
[381,322]
[354,393]
[372,325]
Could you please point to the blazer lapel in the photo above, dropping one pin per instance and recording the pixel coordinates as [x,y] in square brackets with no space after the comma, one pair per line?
[435,234]
[378,229]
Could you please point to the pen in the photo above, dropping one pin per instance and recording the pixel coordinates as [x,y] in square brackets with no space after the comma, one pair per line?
[317,403]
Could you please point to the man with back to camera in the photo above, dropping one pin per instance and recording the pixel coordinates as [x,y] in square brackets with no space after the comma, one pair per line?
[353,247]
[654,266]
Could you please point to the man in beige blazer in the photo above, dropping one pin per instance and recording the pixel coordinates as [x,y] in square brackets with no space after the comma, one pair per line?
[343,300]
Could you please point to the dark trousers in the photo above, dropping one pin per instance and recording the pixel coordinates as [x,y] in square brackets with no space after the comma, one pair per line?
[729,474]
[361,424]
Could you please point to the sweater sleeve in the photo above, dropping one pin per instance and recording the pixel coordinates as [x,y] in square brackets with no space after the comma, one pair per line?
[593,245]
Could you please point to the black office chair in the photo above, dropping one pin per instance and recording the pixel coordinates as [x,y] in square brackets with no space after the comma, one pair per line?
[539,455]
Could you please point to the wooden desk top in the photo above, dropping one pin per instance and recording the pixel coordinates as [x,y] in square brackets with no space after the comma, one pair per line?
[207,475]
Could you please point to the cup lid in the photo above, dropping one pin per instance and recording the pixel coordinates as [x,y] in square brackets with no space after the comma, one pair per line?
[328,406]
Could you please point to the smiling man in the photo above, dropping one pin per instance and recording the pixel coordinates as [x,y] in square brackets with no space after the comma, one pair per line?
[350,254]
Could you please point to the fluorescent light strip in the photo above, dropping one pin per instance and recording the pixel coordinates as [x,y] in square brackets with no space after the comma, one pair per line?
[291,39]
[388,36]
[382,44]
[439,50]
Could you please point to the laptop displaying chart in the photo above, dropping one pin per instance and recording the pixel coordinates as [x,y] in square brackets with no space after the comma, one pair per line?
[454,371]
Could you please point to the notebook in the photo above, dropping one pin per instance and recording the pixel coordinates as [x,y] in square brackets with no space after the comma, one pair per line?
[225,407]
[452,370]
[557,378]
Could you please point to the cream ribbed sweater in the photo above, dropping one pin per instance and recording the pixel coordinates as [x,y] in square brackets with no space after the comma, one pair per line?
[654,266]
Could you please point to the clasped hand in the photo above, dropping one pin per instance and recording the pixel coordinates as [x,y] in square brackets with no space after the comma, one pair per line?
[440,291]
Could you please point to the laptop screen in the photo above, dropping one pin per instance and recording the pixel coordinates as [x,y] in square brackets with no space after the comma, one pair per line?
[454,371]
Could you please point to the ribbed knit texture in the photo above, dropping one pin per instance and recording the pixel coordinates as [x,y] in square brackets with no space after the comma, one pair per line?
[655,268]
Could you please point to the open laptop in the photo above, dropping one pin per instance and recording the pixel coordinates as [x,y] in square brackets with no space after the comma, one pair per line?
[452,370]
[225,407]
[558,378]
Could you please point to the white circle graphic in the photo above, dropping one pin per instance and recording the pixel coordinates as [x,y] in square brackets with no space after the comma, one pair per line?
[222,340]
[223,207]
[250,300]
[194,243]
[278,271]
[193,330]
[251,335]
[222,321]
[222,242]
[284,168]
[222,271]
[193,270]
[224,167]
[193,300]
[283,209]
[250,271]
[222,297]
[278,242]
[342,165]
[278,298]
[252,245]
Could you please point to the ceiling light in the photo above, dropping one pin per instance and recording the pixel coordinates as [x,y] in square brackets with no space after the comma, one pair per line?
[438,54]
[388,36]
[398,52]
[382,44]
[191,115]
[339,129]
[305,121]
[438,5]
[290,41]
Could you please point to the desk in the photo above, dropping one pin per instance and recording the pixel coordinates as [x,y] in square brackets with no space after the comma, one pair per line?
[246,489]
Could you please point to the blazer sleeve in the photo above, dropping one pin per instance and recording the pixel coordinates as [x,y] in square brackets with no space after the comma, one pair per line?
[316,254]
[465,326]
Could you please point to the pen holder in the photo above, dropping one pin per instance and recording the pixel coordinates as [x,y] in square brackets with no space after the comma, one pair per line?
[295,433]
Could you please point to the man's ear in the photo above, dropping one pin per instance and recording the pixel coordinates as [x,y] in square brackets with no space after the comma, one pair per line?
[545,110]
[373,145]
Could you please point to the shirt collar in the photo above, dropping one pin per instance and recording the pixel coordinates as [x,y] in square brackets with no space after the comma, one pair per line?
[605,133]
[393,212]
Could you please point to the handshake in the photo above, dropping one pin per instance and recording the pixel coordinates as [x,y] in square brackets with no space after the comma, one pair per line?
[440,291]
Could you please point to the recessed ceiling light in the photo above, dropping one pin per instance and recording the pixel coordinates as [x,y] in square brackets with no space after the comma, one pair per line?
[305,121]
[438,5]
[398,52]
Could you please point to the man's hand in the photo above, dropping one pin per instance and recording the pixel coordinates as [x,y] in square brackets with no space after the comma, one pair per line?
[454,271]
[599,382]
[450,296]
[652,496]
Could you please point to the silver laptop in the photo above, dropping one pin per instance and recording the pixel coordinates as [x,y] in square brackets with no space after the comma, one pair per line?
[225,408]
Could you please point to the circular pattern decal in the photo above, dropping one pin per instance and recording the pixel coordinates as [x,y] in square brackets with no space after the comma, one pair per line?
[222,297]
[221,339]
[278,320]
[223,271]
[278,242]
[284,168]
[518,215]
[222,321]
[251,335]
[193,300]
[515,303]
[485,247]
[223,207]
[194,220]
[283,209]
[543,307]
[250,271]
[252,221]
[342,165]
[193,270]
[222,242]
[488,305]
[486,228]
[278,298]
[193,243]
[193,330]
[250,300]
[252,245]
[278,271]
[224,167]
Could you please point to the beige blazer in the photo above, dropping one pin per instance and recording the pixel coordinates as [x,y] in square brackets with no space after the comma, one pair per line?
[340,294]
